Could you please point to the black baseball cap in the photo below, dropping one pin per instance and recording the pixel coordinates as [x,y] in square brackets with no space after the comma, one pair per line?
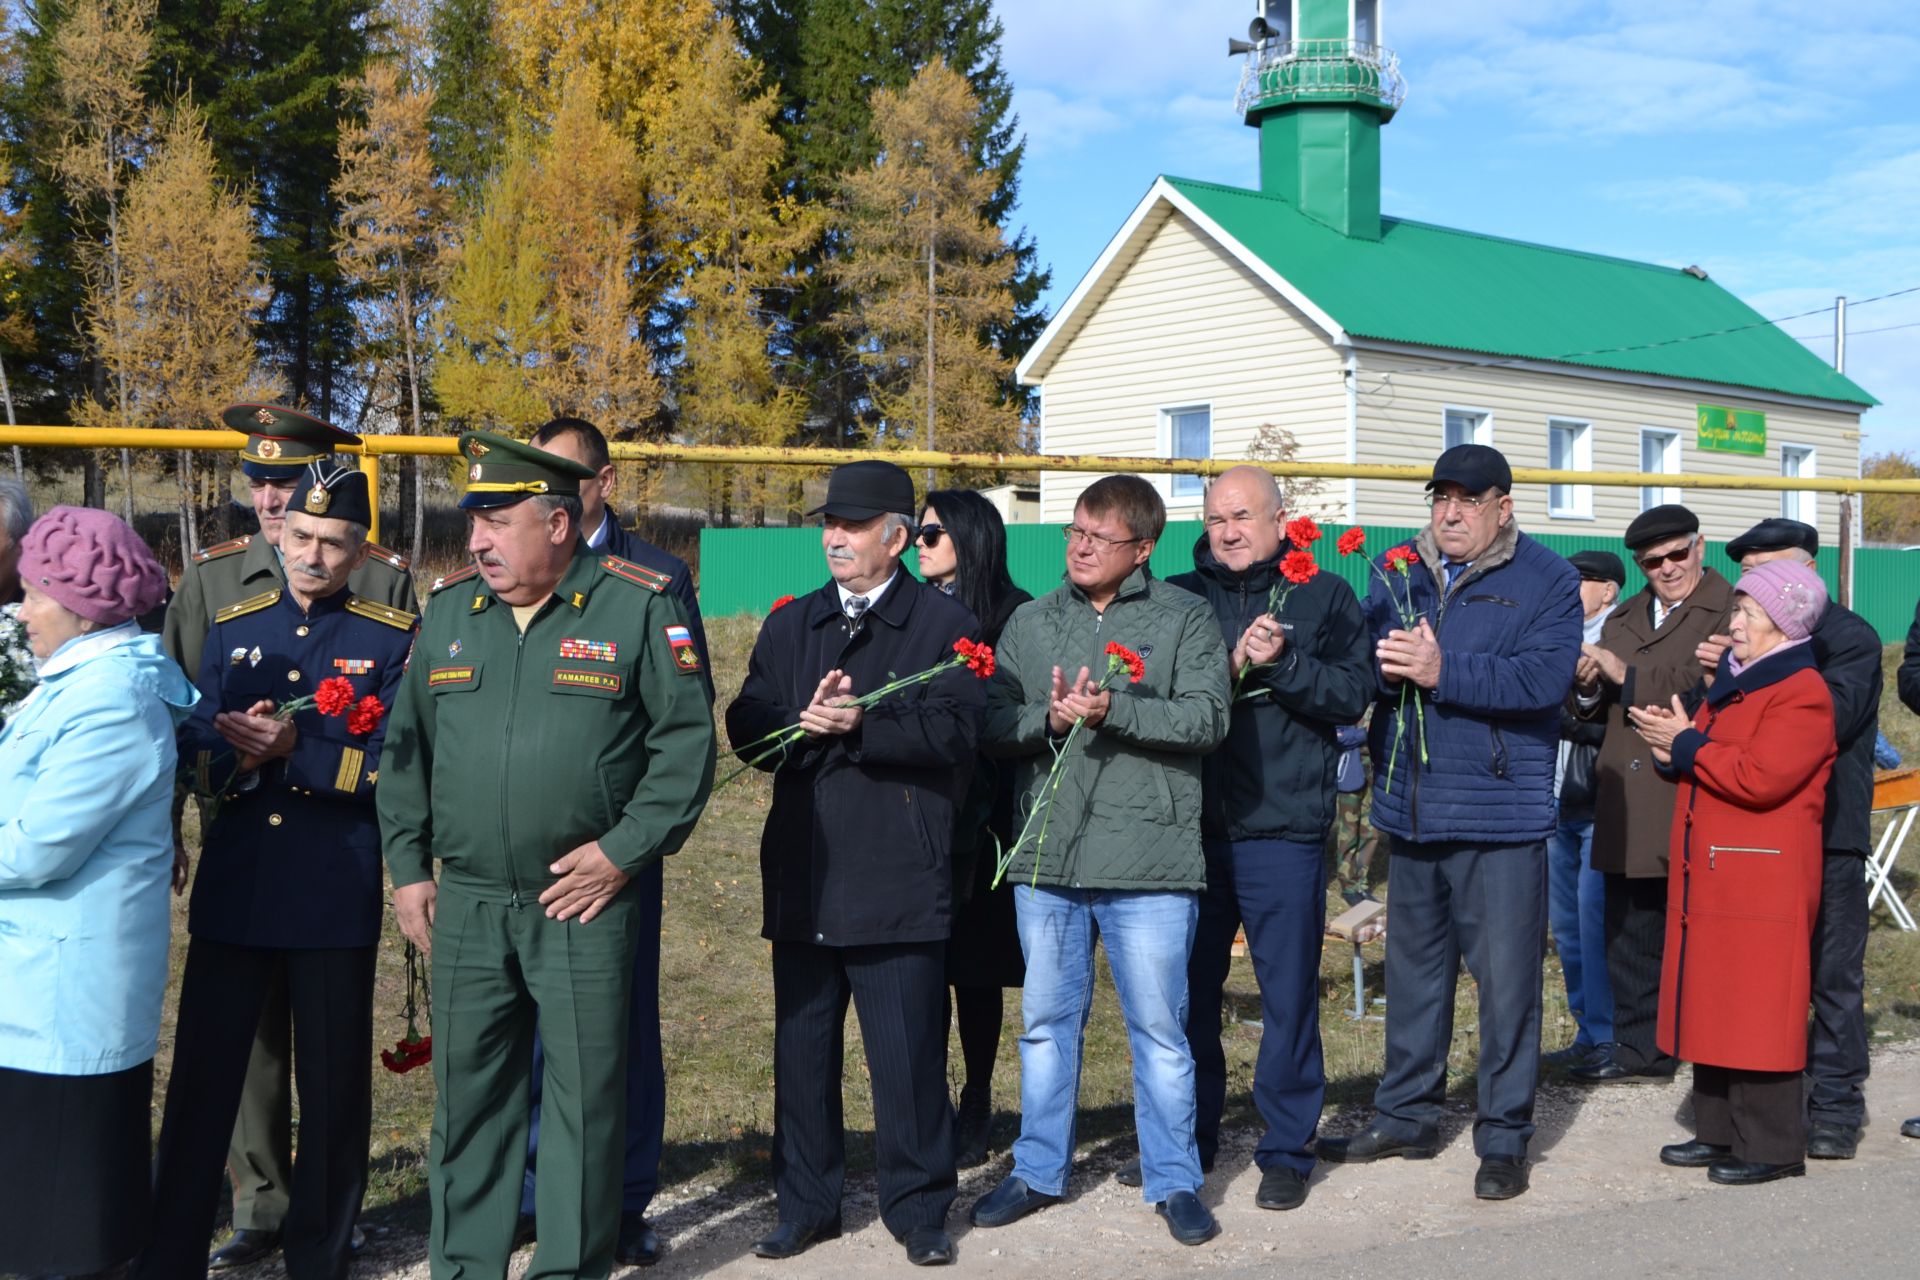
[1776,534]
[1599,566]
[863,490]
[1474,467]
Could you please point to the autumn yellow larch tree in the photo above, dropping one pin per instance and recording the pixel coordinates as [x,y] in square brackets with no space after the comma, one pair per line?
[628,52]
[928,273]
[191,289]
[709,162]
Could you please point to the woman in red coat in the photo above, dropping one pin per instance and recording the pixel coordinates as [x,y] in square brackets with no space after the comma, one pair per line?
[1743,881]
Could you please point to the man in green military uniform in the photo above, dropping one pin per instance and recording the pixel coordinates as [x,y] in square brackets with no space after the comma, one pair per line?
[280,444]
[552,737]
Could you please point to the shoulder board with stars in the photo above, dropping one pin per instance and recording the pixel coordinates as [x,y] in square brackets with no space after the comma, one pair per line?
[397,618]
[638,574]
[252,604]
[222,549]
[388,556]
[452,579]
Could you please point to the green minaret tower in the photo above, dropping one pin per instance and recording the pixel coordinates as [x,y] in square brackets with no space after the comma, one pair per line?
[1318,85]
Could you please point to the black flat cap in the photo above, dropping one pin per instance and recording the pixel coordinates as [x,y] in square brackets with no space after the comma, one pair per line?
[1599,566]
[863,490]
[1474,467]
[1776,534]
[333,490]
[1656,524]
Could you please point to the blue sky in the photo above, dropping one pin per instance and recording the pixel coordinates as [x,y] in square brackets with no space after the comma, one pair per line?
[1782,157]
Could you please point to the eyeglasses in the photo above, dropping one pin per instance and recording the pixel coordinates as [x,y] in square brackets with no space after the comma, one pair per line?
[1649,563]
[1099,541]
[1466,502]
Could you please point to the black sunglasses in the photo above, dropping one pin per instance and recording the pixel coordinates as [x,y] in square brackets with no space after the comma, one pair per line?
[930,535]
[1650,563]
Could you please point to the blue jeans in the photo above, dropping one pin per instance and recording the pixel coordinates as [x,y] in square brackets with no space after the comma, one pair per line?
[1576,911]
[1148,937]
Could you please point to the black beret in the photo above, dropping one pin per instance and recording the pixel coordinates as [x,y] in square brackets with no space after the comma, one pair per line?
[1776,534]
[1656,524]
[1599,566]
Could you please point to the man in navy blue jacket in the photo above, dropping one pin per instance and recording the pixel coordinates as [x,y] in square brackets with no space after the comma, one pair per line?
[1476,642]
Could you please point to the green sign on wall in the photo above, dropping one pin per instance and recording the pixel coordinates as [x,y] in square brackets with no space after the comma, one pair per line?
[1732,430]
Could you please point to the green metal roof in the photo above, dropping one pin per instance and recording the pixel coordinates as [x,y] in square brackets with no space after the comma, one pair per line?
[1438,287]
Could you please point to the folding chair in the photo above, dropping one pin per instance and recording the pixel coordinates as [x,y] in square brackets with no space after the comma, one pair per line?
[1896,793]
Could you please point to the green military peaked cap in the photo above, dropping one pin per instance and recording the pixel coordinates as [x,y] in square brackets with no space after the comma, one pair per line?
[502,471]
[282,441]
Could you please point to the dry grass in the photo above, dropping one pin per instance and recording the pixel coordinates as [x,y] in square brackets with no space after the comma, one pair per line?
[717,1018]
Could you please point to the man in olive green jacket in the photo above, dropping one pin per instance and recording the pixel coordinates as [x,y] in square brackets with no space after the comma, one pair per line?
[551,738]
[1121,855]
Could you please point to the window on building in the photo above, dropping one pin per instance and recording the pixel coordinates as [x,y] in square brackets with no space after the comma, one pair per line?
[1570,448]
[1659,452]
[1188,433]
[1366,21]
[1468,426]
[1797,460]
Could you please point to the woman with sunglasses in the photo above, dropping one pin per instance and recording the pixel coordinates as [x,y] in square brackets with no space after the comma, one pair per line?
[963,551]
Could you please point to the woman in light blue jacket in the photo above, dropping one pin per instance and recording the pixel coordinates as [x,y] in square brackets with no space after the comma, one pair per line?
[87,764]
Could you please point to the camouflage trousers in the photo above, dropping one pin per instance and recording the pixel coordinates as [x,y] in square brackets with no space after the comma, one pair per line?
[1351,844]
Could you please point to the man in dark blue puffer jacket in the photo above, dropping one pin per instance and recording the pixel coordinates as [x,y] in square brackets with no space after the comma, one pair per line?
[1476,641]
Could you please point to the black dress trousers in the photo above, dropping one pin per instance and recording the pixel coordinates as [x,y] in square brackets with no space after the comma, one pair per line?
[1837,1036]
[1636,928]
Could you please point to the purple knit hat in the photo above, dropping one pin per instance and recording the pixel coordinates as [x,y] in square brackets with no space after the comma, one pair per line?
[92,564]
[1789,592]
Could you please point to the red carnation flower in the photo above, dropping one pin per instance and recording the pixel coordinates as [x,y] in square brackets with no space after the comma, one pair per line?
[1351,541]
[1400,557]
[365,716]
[979,657]
[407,1054]
[1136,666]
[780,603]
[334,696]
[1302,532]
[1297,566]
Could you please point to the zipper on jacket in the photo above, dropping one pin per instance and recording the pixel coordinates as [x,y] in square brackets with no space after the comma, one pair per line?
[506,734]
[1714,850]
[1499,753]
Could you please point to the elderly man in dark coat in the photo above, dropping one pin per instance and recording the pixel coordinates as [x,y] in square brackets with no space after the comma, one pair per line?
[1645,657]
[854,863]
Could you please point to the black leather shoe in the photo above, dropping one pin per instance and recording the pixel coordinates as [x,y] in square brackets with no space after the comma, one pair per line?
[928,1247]
[790,1239]
[1370,1144]
[1608,1071]
[1693,1155]
[356,1240]
[1746,1173]
[1281,1187]
[1129,1175]
[1574,1055]
[1188,1221]
[1500,1178]
[1911,1128]
[243,1246]
[972,1126]
[639,1243]
[1011,1201]
[1832,1141]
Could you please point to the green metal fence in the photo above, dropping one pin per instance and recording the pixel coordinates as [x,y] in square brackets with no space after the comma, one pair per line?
[745,570]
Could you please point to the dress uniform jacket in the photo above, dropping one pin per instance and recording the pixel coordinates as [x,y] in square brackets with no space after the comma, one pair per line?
[629,545]
[496,762]
[294,861]
[246,567]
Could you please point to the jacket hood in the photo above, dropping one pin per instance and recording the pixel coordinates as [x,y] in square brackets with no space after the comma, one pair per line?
[161,675]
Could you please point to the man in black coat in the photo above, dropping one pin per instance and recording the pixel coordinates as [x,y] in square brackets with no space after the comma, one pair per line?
[1302,665]
[855,882]
[1847,650]
[639,1244]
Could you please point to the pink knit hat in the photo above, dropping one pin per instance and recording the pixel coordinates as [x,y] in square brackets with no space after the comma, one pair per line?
[91,563]
[1789,592]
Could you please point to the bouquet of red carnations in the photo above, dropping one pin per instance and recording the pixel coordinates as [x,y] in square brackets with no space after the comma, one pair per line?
[1399,561]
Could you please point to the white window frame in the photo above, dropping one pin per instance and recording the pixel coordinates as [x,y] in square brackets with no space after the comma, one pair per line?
[1571,501]
[1672,464]
[1482,432]
[1170,484]
[1353,22]
[1800,504]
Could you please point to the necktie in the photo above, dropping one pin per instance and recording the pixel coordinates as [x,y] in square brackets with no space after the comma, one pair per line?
[856,605]
[1454,569]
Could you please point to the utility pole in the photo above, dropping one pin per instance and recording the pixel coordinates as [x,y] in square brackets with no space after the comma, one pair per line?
[1847,500]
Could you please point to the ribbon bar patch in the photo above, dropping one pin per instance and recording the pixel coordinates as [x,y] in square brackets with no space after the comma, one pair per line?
[448,675]
[589,650]
[354,666]
[605,681]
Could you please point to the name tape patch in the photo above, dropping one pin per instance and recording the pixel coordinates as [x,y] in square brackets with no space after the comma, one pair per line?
[605,681]
[448,675]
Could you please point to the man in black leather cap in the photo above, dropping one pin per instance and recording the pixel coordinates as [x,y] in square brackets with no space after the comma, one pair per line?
[1847,650]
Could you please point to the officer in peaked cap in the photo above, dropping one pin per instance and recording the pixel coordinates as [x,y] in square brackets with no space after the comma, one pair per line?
[551,741]
[280,444]
[288,895]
